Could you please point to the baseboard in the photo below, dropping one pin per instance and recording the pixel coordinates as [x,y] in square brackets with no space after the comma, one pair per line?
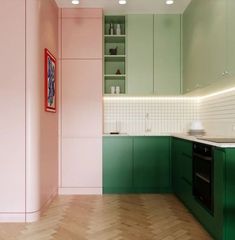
[12,217]
[35,216]
[80,191]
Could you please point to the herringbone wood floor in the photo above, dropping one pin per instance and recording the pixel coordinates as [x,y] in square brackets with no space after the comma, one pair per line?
[110,217]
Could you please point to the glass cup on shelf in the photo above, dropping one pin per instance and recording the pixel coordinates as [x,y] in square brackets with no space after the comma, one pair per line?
[112,89]
[117,89]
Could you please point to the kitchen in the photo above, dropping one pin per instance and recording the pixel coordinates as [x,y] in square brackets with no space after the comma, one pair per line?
[146,72]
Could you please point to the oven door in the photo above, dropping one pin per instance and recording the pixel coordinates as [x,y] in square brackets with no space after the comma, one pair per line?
[202,180]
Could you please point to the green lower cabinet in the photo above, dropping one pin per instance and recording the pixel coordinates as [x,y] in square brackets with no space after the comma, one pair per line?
[182,186]
[182,167]
[229,211]
[136,165]
[151,170]
[117,164]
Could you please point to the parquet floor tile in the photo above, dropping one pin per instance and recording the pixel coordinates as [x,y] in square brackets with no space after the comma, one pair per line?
[110,217]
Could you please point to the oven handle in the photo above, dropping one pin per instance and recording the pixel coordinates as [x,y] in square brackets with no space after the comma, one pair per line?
[202,178]
[202,157]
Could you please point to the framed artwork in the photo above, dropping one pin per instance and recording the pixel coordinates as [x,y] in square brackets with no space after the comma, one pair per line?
[50,82]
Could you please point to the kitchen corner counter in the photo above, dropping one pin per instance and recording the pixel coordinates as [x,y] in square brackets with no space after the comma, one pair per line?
[137,135]
[195,139]
[176,135]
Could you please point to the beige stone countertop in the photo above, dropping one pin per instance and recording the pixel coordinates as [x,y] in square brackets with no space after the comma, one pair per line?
[137,135]
[195,139]
[177,135]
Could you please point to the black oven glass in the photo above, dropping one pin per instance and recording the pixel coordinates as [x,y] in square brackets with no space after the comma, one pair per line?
[203,175]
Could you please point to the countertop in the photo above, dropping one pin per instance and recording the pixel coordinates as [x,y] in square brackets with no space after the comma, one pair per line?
[177,135]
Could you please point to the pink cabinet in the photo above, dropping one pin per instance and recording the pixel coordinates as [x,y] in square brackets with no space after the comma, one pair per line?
[82,38]
[82,98]
[81,101]
[82,163]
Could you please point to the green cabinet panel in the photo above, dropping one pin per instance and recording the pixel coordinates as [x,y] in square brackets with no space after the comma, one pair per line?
[219,192]
[181,164]
[117,164]
[175,162]
[185,193]
[186,168]
[230,194]
[167,54]
[204,43]
[140,54]
[136,165]
[151,172]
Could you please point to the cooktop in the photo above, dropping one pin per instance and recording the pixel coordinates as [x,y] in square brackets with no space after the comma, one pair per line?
[219,140]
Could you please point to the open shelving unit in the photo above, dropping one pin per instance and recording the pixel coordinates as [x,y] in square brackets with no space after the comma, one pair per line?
[114,62]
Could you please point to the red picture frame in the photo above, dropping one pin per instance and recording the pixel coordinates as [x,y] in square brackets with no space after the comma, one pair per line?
[50,82]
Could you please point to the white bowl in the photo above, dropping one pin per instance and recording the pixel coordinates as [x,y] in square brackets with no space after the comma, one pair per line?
[196,125]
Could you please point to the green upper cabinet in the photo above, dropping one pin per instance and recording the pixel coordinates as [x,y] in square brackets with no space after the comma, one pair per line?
[140,54]
[231,39]
[167,54]
[204,43]
[154,54]
[151,170]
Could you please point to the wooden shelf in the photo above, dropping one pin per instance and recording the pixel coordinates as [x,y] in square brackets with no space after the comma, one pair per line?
[115,38]
[115,75]
[115,58]
[110,77]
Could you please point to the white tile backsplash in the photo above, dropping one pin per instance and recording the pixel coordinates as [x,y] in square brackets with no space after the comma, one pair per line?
[218,114]
[171,115]
[142,115]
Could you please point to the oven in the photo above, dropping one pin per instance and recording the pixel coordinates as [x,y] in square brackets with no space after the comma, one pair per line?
[203,175]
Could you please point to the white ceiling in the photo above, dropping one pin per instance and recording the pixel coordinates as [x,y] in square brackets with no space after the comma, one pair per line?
[132,6]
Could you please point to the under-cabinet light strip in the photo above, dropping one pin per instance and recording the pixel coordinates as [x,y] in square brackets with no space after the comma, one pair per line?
[218,93]
[175,98]
[129,98]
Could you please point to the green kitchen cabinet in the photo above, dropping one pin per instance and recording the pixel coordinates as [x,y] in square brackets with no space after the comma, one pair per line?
[182,170]
[140,54]
[154,54]
[231,39]
[206,34]
[182,186]
[167,54]
[117,164]
[229,201]
[151,170]
[175,162]
[136,165]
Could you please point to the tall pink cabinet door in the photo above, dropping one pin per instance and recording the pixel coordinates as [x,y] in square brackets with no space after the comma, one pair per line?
[82,38]
[81,101]
[82,125]
[81,98]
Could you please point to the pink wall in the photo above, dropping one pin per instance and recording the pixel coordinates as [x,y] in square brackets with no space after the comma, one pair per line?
[12,107]
[81,101]
[28,134]
[42,127]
